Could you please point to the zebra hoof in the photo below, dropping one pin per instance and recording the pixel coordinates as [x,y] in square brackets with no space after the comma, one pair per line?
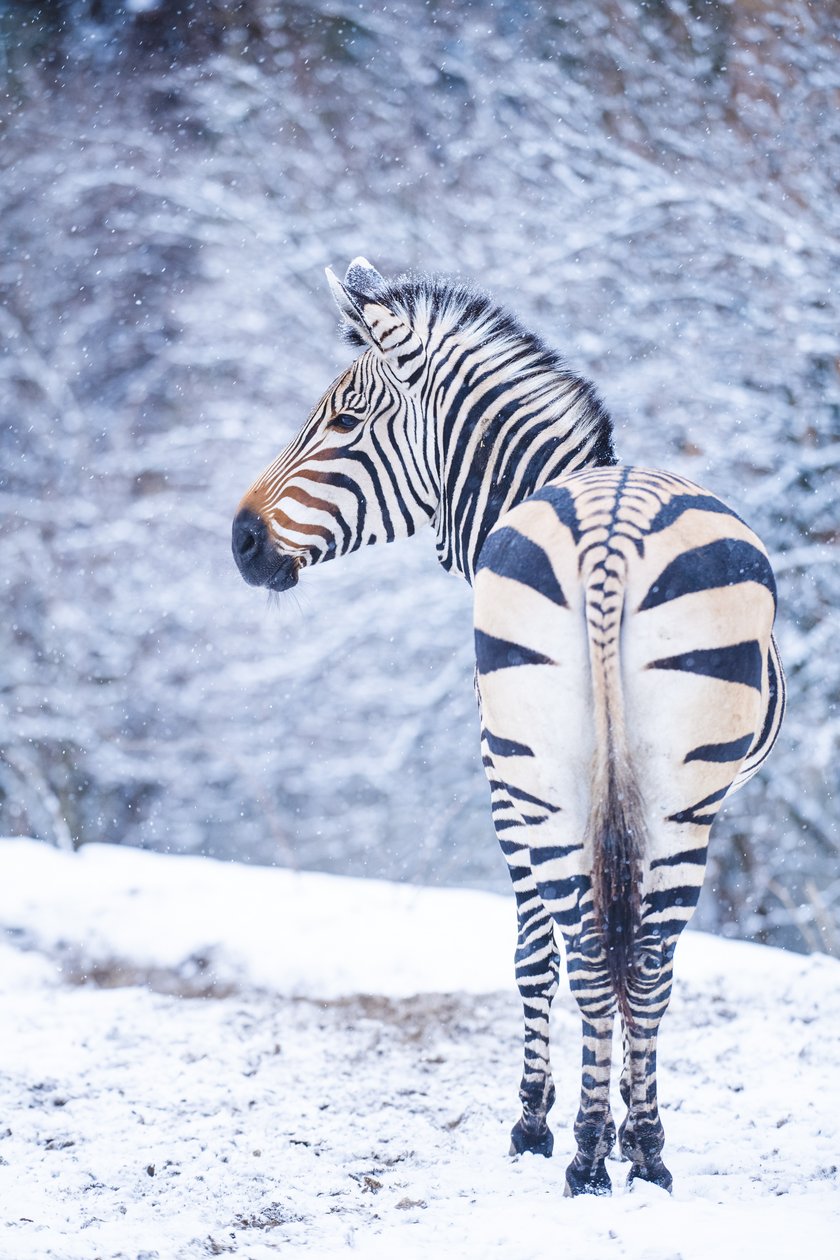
[595,1182]
[522,1140]
[656,1174]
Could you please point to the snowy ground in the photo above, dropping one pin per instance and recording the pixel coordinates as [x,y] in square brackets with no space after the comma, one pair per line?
[203,1059]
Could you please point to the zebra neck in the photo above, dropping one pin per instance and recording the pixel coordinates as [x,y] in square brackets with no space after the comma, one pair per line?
[495,451]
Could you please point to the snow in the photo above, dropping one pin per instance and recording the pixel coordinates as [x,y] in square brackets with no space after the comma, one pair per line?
[347,1081]
[287,932]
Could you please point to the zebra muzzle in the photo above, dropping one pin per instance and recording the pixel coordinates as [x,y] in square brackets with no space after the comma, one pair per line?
[285,575]
[256,558]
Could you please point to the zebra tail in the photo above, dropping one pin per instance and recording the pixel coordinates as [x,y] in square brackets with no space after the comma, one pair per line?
[617,828]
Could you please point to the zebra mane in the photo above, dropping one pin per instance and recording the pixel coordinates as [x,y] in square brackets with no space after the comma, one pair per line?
[440,305]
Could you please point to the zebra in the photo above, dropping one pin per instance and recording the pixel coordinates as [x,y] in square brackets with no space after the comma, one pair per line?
[626,673]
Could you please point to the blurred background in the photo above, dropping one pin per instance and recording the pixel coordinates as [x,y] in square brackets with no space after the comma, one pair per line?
[652,185]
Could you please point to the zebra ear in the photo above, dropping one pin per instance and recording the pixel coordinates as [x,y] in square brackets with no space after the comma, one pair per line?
[364,278]
[349,303]
[375,324]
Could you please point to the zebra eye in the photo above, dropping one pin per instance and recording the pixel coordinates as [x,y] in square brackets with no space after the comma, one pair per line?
[344,422]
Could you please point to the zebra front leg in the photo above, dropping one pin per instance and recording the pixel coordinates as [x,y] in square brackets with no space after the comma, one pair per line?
[625,1133]
[537,969]
[594,1127]
[537,960]
[537,977]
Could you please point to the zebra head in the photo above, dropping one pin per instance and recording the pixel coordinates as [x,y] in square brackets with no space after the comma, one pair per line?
[451,413]
[360,470]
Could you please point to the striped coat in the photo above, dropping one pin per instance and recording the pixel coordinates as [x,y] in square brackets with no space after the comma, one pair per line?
[626,672]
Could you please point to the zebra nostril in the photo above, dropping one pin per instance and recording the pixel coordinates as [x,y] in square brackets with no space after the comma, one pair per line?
[248,543]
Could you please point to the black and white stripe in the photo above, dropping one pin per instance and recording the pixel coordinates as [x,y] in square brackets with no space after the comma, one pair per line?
[626,672]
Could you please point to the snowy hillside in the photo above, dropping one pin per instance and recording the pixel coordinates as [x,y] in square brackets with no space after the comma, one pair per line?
[346,1083]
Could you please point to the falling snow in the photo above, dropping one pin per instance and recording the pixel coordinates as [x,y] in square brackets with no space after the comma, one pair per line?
[652,187]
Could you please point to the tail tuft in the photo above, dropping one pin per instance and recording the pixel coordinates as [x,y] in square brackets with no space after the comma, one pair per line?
[617,834]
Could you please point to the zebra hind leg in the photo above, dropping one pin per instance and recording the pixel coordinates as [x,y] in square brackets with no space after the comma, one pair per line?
[641,1136]
[594,1126]
[537,967]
